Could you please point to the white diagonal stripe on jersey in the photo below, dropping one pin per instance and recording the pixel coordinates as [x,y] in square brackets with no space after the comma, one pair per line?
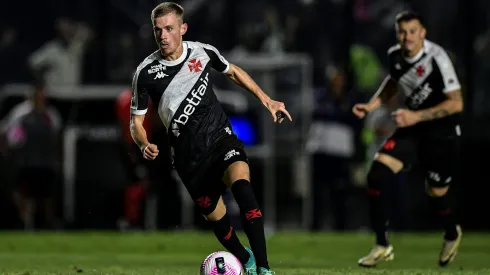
[410,80]
[179,87]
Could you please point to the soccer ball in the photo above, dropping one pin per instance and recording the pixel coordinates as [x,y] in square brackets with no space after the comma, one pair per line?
[221,262]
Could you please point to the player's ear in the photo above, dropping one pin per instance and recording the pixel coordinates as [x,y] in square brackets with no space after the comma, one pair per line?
[423,32]
[183,28]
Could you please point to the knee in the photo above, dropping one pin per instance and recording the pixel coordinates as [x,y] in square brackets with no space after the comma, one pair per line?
[217,214]
[238,170]
[436,191]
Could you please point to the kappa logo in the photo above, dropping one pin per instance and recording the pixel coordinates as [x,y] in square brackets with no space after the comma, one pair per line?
[160,75]
[156,68]
[231,154]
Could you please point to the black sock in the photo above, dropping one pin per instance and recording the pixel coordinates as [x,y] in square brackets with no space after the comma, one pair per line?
[228,238]
[379,179]
[253,223]
[441,207]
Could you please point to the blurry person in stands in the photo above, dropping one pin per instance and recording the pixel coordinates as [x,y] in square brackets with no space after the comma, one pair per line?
[32,130]
[59,61]
[337,149]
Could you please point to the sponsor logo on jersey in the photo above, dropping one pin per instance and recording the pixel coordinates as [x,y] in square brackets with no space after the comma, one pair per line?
[156,68]
[418,98]
[193,99]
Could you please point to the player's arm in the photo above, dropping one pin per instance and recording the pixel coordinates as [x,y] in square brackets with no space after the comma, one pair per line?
[385,92]
[139,107]
[452,105]
[243,79]
[452,89]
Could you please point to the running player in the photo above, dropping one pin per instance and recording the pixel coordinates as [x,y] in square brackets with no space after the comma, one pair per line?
[428,131]
[208,155]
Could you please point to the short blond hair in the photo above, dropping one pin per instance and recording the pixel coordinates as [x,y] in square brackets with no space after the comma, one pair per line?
[167,8]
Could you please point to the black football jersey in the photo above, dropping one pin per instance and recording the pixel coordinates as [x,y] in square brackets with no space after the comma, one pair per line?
[187,104]
[424,79]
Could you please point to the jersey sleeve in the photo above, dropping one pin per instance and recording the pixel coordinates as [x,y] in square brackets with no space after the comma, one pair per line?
[394,67]
[218,62]
[139,98]
[448,73]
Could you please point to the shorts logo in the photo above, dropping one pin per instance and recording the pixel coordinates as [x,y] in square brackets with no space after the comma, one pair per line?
[203,202]
[231,154]
[434,176]
[389,145]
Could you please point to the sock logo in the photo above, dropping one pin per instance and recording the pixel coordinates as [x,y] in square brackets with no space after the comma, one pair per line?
[253,214]
[228,236]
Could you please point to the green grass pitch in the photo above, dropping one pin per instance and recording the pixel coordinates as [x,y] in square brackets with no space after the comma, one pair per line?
[180,253]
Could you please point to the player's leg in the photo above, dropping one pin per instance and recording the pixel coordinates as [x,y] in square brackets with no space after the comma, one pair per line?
[382,175]
[214,210]
[237,177]
[439,161]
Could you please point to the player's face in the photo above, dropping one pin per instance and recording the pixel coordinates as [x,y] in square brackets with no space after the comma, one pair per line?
[411,35]
[168,31]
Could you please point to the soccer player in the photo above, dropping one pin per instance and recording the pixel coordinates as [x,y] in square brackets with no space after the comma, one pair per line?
[207,154]
[428,131]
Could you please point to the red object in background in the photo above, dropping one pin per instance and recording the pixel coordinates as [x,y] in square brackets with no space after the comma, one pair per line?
[134,196]
[123,112]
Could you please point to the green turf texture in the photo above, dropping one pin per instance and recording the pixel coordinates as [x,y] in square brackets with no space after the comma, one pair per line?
[180,253]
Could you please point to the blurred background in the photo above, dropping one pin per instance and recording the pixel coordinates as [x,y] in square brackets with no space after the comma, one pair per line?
[67,161]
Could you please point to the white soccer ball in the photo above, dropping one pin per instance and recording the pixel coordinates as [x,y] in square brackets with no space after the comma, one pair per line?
[221,262]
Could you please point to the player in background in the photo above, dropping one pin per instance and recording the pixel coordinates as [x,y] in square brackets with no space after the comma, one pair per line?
[208,156]
[428,131]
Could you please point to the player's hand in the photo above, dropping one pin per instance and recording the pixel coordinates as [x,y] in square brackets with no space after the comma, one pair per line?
[405,118]
[277,110]
[150,151]
[360,110]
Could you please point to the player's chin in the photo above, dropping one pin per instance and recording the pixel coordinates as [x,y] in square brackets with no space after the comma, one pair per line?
[165,48]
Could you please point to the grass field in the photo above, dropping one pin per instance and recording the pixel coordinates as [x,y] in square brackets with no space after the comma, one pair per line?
[182,253]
